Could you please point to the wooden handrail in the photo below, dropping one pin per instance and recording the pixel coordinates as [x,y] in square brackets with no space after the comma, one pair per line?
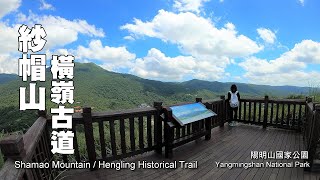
[296,101]
[212,100]
[9,172]
[142,120]
[312,132]
[77,118]
[281,113]
[130,112]
[32,137]
[24,148]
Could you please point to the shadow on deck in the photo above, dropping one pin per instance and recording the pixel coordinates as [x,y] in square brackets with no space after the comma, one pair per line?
[228,144]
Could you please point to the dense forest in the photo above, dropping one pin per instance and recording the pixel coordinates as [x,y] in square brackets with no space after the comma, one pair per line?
[106,91]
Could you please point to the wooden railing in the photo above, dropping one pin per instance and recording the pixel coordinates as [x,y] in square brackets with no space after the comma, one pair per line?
[286,113]
[311,134]
[32,147]
[117,135]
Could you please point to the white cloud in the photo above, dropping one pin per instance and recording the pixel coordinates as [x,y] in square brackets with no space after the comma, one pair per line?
[45,6]
[209,48]
[238,78]
[61,52]
[195,35]
[9,38]
[301,2]
[8,48]
[267,35]
[306,51]
[130,38]
[156,65]
[262,67]
[8,64]
[189,5]
[7,6]
[288,69]
[111,58]
[61,31]
[294,78]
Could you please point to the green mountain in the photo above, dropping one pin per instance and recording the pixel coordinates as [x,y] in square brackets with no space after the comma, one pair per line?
[104,91]
[4,78]
[247,89]
[95,87]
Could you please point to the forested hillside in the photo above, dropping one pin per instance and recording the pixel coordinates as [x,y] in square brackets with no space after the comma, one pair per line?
[104,91]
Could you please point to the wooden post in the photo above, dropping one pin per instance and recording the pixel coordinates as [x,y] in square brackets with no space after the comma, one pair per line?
[317,113]
[42,114]
[306,109]
[314,137]
[317,109]
[88,130]
[169,134]
[12,147]
[158,127]
[208,124]
[316,129]
[196,125]
[48,139]
[265,119]
[224,110]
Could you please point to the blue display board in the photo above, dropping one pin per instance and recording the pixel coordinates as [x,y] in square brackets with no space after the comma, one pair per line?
[188,113]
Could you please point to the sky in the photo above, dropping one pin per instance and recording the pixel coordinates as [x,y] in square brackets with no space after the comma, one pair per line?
[267,42]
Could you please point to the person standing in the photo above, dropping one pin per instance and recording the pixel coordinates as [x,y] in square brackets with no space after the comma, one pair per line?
[234,100]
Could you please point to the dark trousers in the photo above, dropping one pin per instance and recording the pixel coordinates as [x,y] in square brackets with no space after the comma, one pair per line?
[233,112]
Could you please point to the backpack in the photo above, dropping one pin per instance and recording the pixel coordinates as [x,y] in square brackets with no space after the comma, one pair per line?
[234,101]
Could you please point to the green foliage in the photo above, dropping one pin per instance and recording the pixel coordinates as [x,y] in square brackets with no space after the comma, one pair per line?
[13,119]
[107,91]
[295,96]
[97,88]
[314,91]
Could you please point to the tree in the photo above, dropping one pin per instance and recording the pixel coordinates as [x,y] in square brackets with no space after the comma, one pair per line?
[314,90]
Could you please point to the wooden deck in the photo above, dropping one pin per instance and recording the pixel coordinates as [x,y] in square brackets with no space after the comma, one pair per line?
[228,144]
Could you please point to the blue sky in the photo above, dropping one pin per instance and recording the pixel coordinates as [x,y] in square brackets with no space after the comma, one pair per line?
[260,42]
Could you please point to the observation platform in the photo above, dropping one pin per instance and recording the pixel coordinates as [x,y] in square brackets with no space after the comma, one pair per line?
[227,144]
[150,134]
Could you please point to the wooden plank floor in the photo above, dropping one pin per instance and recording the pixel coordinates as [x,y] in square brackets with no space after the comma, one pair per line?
[228,144]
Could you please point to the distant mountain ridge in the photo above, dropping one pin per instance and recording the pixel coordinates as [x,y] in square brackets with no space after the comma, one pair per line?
[107,91]
[4,78]
[252,89]
[165,88]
